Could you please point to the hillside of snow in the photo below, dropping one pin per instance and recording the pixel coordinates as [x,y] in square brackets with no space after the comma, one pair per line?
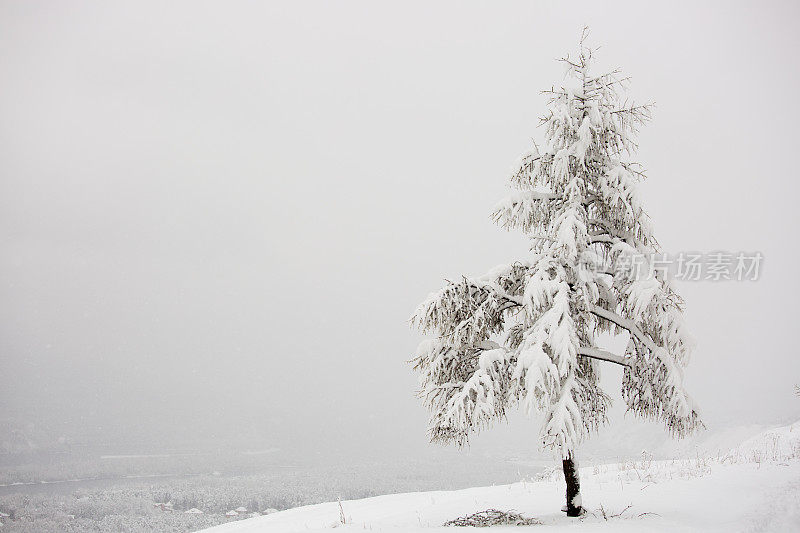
[754,487]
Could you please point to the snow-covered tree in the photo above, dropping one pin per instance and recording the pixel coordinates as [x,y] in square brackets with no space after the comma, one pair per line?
[526,333]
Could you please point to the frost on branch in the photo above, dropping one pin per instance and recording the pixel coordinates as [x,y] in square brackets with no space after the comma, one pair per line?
[525,333]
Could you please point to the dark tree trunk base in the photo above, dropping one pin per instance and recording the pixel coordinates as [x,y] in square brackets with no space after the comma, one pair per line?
[574,505]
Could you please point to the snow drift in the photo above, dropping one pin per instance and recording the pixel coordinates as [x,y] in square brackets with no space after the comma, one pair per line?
[755,487]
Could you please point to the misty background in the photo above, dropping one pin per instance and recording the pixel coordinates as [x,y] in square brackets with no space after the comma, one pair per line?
[216,219]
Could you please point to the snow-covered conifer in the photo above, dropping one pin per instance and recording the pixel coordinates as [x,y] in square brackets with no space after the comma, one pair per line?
[526,332]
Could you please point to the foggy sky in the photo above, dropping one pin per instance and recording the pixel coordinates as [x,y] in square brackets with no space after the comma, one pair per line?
[217,218]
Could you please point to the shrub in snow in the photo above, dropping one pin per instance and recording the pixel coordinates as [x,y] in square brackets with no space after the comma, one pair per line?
[493,517]
[526,332]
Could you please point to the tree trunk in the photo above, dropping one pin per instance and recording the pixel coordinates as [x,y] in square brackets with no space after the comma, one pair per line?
[574,504]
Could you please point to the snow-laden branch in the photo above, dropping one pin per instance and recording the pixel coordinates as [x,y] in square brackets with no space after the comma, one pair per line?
[594,239]
[626,324]
[609,231]
[603,355]
[654,388]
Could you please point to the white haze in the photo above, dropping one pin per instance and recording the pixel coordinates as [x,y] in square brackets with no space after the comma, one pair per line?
[216,218]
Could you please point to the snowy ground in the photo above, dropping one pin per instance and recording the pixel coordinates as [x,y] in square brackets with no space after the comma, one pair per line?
[753,488]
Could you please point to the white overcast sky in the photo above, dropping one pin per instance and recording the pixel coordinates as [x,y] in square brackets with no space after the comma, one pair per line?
[217,217]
